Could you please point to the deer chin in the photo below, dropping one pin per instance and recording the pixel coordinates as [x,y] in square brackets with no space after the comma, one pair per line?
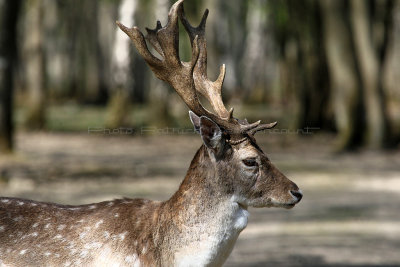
[271,203]
[285,206]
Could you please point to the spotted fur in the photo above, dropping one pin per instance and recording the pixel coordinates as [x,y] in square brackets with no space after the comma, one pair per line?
[197,226]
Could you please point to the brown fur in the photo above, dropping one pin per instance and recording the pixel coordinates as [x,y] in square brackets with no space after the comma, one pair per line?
[46,234]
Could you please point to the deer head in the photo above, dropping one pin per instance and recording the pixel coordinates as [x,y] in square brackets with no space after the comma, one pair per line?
[246,172]
[243,170]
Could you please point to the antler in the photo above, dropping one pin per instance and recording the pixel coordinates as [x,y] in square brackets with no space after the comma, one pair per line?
[188,78]
[210,90]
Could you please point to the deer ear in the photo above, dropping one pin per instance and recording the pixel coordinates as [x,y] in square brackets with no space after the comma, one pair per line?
[211,135]
[195,121]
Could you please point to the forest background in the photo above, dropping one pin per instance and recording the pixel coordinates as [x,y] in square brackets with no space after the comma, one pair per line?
[332,66]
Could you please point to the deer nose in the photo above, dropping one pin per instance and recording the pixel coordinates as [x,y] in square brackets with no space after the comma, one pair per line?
[298,195]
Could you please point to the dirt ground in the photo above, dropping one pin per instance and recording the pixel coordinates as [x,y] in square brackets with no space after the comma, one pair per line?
[349,216]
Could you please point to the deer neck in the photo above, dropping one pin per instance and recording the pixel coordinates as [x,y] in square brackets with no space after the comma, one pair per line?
[205,218]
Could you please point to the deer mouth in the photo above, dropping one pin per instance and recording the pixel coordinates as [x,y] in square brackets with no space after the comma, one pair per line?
[275,204]
[242,206]
[272,203]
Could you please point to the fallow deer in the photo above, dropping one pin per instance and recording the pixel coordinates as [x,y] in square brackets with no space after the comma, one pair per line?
[200,223]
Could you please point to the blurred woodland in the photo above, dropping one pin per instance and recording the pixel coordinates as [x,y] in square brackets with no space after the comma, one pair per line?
[330,64]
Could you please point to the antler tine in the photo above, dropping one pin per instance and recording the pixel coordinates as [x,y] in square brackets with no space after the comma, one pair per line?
[210,90]
[248,127]
[168,36]
[138,39]
[262,127]
[152,38]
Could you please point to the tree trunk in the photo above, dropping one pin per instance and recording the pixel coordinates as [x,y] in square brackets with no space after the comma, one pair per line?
[121,68]
[229,31]
[258,66]
[303,67]
[369,69]
[103,13]
[311,67]
[390,66]
[34,65]
[159,91]
[346,95]
[8,21]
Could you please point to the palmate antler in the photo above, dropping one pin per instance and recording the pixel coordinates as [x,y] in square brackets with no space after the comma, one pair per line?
[189,78]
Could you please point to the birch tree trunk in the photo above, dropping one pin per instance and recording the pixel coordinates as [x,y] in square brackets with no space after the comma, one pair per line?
[122,82]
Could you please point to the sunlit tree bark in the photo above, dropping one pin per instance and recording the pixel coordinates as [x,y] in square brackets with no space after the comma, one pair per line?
[118,106]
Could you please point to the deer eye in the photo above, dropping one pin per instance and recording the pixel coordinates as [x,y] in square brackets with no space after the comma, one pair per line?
[251,162]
